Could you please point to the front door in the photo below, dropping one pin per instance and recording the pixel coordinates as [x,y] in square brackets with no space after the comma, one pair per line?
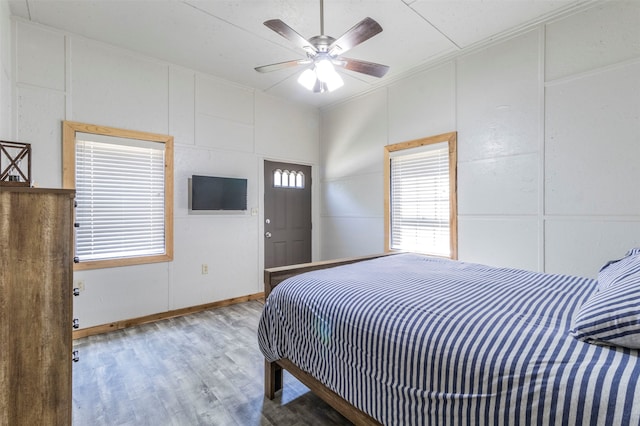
[287,214]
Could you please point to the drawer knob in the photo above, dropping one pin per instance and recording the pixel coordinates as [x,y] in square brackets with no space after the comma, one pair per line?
[76,323]
[75,358]
[76,291]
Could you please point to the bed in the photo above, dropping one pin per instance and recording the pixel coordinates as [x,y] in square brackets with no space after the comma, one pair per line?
[413,340]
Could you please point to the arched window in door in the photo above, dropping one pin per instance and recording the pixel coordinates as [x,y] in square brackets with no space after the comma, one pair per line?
[277,178]
[288,179]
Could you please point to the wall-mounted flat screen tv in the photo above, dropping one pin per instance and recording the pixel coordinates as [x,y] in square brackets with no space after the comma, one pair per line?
[218,193]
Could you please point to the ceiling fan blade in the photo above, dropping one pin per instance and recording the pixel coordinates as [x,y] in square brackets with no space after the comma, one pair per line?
[290,34]
[360,32]
[283,65]
[364,67]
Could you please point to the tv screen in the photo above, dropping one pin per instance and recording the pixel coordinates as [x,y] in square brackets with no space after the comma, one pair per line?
[218,193]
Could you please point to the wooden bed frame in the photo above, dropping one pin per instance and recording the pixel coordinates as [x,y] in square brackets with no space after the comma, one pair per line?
[273,370]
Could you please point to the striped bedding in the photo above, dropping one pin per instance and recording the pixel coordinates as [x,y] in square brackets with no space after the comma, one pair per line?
[413,340]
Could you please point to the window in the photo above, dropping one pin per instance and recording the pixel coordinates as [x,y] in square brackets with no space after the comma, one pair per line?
[288,179]
[277,178]
[420,196]
[124,195]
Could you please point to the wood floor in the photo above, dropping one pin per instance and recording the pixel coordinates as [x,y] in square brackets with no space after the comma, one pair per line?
[200,369]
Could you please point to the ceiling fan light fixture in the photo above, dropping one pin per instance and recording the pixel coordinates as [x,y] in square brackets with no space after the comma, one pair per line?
[323,77]
[327,74]
[325,70]
[307,79]
[319,87]
[334,82]
[310,79]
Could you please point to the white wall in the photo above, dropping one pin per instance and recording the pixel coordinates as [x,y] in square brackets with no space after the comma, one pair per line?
[6,129]
[548,145]
[219,129]
[548,131]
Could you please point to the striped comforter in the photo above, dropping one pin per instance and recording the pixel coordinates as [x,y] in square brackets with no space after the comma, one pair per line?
[413,340]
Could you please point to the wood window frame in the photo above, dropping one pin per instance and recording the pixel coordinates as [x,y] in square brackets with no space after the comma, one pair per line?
[69,130]
[451,139]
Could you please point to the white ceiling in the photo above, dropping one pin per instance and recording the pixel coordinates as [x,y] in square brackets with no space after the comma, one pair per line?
[227,39]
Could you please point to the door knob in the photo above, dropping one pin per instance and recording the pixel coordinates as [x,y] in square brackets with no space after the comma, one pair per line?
[267,234]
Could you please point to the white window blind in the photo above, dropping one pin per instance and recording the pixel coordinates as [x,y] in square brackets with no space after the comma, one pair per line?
[120,198]
[420,219]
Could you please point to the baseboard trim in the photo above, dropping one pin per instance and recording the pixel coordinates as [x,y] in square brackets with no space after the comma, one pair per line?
[119,325]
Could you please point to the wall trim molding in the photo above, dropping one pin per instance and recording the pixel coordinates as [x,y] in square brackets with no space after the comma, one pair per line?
[120,325]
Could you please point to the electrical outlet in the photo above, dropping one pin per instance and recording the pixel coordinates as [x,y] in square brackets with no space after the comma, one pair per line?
[79,284]
[205,269]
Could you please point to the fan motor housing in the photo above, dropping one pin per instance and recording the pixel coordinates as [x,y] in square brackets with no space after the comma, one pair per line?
[322,42]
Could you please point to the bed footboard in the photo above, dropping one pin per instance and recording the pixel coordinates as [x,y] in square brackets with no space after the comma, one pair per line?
[274,276]
[273,370]
[273,383]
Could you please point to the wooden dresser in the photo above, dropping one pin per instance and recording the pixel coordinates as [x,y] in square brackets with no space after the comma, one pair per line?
[36,279]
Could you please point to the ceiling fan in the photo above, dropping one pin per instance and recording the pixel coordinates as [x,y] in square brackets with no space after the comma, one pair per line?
[324,54]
